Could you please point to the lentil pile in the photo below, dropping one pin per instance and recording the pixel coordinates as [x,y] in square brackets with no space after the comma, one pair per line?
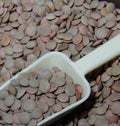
[35,96]
[31,28]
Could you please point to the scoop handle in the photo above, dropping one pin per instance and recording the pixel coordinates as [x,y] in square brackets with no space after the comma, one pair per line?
[99,56]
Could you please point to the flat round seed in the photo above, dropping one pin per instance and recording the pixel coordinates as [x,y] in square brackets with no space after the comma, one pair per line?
[78,91]
[58,4]
[43,107]
[69,80]
[39,10]
[73,31]
[31,58]
[58,13]
[31,30]
[16,117]
[95,15]
[94,4]
[9,100]
[13,17]
[23,80]
[52,35]
[114,96]
[15,25]
[91,119]
[3,94]
[17,55]
[110,24]
[57,107]
[66,10]
[32,123]
[1,10]
[3,107]
[50,95]
[5,40]
[105,77]
[92,22]
[2,52]
[85,40]
[116,86]
[60,81]
[63,97]
[78,3]
[101,33]
[115,70]
[110,16]
[73,99]
[87,50]
[103,120]
[25,40]
[8,118]
[8,50]
[115,108]
[39,2]
[17,48]
[60,74]
[20,93]
[79,46]
[50,16]
[106,92]
[83,29]
[51,45]
[45,29]
[70,90]
[19,63]
[51,102]
[1,3]
[12,90]
[72,49]
[17,34]
[102,109]
[28,6]
[53,87]
[76,22]
[36,113]
[84,20]
[43,99]
[29,105]
[31,44]
[31,90]
[77,39]
[45,74]
[25,15]
[25,97]
[60,36]
[44,85]
[67,36]
[111,117]
[9,63]
[24,117]
[32,75]
[45,38]
[16,105]
[110,7]
[60,90]
[63,46]
[64,104]
[48,113]
[34,83]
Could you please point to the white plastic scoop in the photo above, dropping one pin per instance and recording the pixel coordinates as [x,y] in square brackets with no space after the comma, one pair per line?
[77,70]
